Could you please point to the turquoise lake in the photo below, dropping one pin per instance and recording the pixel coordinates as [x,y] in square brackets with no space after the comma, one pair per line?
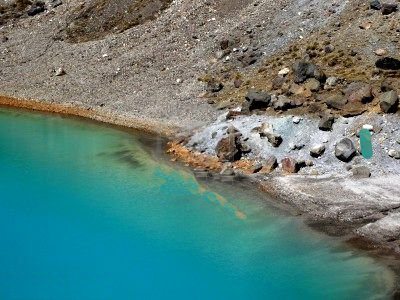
[88,212]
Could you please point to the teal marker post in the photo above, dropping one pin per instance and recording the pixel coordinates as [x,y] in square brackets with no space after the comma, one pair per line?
[366,143]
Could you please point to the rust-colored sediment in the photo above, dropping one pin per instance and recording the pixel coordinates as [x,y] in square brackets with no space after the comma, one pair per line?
[193,159]
[199,160]
[90,113]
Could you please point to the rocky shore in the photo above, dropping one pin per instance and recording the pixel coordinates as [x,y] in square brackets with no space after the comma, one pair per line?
[277,91]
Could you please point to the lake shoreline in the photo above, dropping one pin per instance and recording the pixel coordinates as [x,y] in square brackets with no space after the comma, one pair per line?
[273,187]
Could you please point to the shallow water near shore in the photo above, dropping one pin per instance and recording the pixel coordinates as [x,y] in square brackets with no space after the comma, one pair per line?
[87,213]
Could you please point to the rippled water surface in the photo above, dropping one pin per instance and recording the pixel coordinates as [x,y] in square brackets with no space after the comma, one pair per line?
[87,213]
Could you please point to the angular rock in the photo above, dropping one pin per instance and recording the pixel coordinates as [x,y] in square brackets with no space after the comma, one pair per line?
[303,70]
[36,8]
[284,103]
[60,72]
[326,122]
[389,102]
[317,150]
[375,4]
[270,165]
[336,101]
[258,99]
[388,8]
[312,84]
[359,93]
[388,63]
[345,150]
[330,82]
[361,172]
[274,139]
[228,148]
[394,153]
[290,165]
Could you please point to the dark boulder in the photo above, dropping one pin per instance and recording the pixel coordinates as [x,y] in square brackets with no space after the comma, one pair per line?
[375,4]
[345,150]
[36,8]
[257,100]
[388,8]
[326,122]
[388,63]
[389,102]
[303,70]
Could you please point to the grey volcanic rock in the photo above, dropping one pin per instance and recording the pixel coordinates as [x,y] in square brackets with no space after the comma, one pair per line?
[394,153]
[283,103]
[345,150]
[317,150]
[336,101]
[274,139]
[257,100]
[361,172]
[389,101]
[375,4]
[388,8]
[303,70]
[326,122]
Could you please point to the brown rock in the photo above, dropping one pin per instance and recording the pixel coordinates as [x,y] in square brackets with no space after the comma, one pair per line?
[360,93]
[336,101]
[228,149]
[270,165]
[290,165]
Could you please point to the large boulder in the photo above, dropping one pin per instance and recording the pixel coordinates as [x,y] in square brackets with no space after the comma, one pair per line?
[388,63]
[389,101]
[256,99]
[227,149]
[303,70]
[345,150]
[359,92]
[388,8]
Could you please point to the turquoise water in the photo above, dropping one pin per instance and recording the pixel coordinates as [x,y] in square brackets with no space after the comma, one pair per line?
[87,213]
